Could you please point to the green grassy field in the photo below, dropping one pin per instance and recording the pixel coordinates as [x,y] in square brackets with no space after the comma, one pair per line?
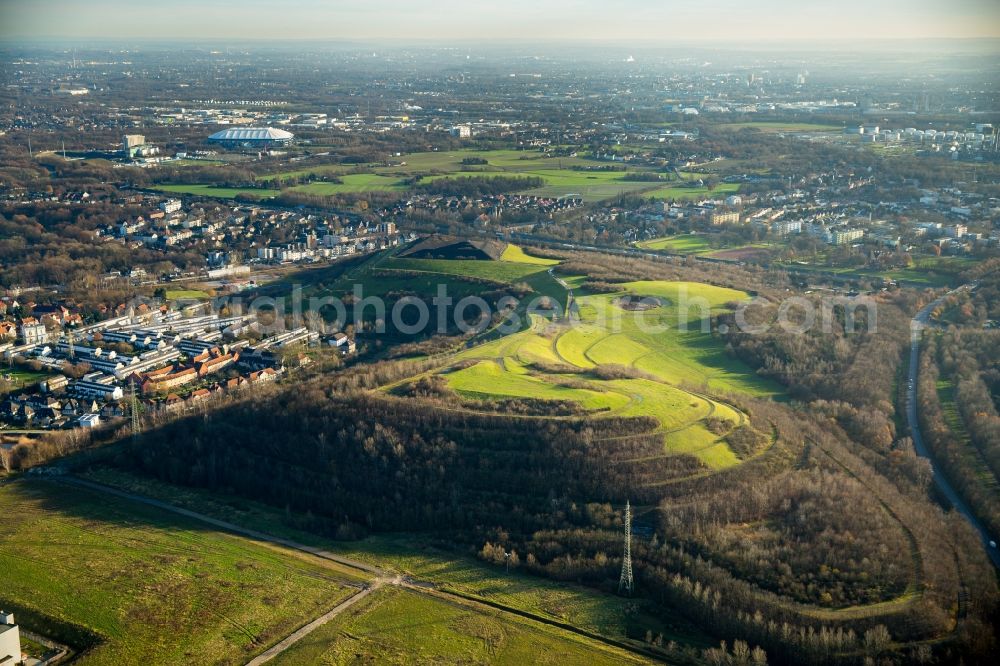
[588,185]
[563,176]
[681,366]
[583,607]
[678,192]
[318,170]
[14,379]
[403,627]
[925,272]
[510,161]
[498,271]
[154,587]
[653,342]
[488,378]
[354,183]
[213,191]
[516,254]
[186,293]
[973,457]
[22,377]
[386,273]
[682,243]
[515,265]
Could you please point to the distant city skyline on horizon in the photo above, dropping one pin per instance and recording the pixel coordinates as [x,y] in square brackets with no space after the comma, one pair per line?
[646,21]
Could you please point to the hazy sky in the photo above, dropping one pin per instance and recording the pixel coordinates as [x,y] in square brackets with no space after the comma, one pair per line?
[536,20]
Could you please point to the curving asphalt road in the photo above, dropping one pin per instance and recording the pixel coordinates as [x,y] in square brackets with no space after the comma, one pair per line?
[917,326]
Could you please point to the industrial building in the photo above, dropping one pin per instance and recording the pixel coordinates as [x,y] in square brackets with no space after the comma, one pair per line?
[134,145]
[255,138]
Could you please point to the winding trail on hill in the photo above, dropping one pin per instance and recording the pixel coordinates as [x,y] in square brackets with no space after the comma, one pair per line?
[920,322]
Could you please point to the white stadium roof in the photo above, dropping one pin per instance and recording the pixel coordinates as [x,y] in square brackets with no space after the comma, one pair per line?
[251,134]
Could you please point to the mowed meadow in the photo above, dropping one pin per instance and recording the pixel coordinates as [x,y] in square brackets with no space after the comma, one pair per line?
[562,176]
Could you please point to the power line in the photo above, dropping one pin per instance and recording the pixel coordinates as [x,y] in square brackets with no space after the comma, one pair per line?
[133,409]
[625,582]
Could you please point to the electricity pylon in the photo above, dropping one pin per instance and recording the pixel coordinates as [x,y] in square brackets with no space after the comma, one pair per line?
[625,583]
[133,408]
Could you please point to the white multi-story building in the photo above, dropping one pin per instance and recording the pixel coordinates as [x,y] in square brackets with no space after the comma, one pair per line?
[170,206]
[845,236]
[10,640]
[785,227]
[34,333]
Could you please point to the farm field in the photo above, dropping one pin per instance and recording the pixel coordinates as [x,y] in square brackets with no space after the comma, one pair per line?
[404,627]
[151,587]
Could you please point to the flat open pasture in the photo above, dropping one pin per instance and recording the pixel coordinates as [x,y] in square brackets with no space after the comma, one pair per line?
[154,587]
[403,627]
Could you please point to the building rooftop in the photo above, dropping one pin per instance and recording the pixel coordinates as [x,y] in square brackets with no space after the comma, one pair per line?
[252,134]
